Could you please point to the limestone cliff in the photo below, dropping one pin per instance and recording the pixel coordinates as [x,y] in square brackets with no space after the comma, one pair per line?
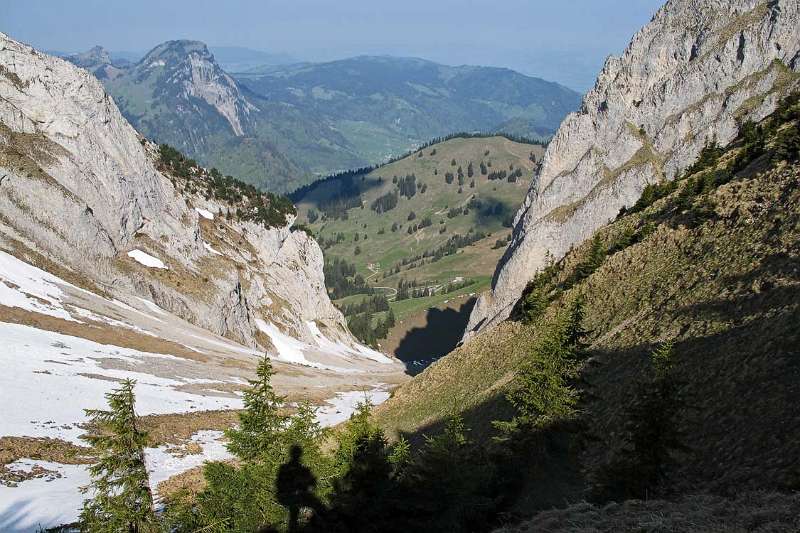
[81,188]
[690,76]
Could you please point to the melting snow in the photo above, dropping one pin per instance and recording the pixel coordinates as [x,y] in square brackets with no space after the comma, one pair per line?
[341,349]
[46,501]
[208,215]
[29,288]
[47,383]
[289,348]
[162,465]
[344,404]
[146,259]
[210,249]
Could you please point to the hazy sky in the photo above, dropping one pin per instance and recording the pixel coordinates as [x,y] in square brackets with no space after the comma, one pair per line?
[564,40]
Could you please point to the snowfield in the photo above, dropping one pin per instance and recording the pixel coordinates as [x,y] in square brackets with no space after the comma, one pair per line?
[146,259]
[32,289]
[42,502]
[56,499]
[49,379]
[205,213]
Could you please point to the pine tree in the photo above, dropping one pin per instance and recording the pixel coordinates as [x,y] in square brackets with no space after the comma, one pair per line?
[592,261]
[652,435]
[261,421]
[122,499]
[446,485]
[575,333]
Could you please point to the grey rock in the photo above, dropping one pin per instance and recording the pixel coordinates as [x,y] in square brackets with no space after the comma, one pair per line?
[81,189]
[691,75]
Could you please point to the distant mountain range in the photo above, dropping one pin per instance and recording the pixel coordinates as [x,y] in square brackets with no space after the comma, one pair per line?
[281,126]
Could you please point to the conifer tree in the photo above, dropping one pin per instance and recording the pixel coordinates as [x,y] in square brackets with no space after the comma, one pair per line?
[446,485]
[575,333]
[261,421]
[652,435]
[361,490]
[122,499]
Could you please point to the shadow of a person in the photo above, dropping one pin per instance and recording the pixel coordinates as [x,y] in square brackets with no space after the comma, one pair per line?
[295,488]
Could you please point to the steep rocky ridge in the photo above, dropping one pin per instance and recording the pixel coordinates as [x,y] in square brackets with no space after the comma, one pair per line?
[80,193]
[98,61]
[178,94]
[187,71]
[710,265]
[691,75]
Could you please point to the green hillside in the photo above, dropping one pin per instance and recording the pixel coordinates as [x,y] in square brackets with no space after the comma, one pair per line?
[404,223]
[282,128]
[688,309]
[384,105]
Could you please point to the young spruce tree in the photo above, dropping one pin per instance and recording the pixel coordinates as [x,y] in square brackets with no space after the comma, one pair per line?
[122,500]
[261,422]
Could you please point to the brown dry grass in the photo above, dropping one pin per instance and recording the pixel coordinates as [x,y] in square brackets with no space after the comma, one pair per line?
[750,512]
[41,448]
[177,428]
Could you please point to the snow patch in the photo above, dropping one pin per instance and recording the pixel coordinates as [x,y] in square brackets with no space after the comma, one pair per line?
[146,259]
[210,249]
[42,502]
[342,349]
[206,214]
[49,379]
[289,349]
[29,288]
[344,404]
[162,465]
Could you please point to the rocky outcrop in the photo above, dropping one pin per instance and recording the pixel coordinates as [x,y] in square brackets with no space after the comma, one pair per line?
[79,187]
[186,70]
[690,76]
[98,61]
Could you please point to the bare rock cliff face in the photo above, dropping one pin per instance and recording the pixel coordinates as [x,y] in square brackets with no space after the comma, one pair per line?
[191,71]
[79,188]
[691,75]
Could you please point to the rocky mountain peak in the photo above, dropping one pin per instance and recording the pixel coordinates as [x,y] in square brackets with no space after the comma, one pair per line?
[98,61]
[92,58]
[184,70]
[689,77]
[178,51]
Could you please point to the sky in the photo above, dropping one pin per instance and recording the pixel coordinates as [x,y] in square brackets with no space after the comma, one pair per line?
[565,41]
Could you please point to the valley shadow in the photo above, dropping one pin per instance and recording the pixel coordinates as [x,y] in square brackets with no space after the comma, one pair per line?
[441,333]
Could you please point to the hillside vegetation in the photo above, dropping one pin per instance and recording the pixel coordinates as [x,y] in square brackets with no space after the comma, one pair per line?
[281,129]
[659,357]
[384,105]
[423,229]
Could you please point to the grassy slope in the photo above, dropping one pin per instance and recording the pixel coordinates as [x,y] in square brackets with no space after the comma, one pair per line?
[727,292]
[382,252]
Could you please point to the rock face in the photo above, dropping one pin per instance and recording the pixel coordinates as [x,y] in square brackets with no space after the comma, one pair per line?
[690,76]
[98,61]
[186,70]
[179,95]
[80,192]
